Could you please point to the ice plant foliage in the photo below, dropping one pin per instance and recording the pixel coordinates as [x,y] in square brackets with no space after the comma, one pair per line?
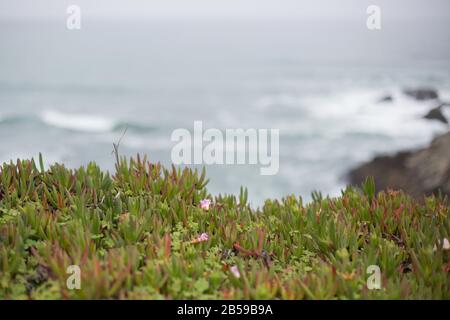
[130,233]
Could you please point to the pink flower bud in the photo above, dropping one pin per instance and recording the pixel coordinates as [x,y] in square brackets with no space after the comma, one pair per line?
[235,271]
[205,204]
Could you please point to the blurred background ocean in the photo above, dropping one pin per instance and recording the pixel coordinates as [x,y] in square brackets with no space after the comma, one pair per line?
[70,94]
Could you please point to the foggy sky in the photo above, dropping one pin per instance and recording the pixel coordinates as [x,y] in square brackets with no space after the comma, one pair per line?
[246,9]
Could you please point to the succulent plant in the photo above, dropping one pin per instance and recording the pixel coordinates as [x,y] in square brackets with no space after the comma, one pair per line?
[131,235]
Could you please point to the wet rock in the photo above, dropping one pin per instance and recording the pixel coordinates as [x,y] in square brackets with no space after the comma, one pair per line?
[436,114]
[422,93]
[421,172]
[386,99]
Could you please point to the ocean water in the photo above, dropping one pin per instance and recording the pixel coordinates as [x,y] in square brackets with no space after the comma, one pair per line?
[71,94]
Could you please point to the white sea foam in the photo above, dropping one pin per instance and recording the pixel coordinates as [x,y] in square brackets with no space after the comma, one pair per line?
[446,111]
[324,136]
[360,112]
[77,122]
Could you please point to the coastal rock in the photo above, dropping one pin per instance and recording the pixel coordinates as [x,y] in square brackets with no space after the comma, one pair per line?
[422,93]
[421,172]
[386,99]
[436,114]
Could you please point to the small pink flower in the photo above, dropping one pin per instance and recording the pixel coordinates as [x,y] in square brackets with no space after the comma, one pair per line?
[235,271]
[203,237]
[205,204]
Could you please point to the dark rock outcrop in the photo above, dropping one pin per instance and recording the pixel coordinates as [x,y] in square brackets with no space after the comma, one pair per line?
[422,93]
[436,114]
[386,99]
[422,172]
